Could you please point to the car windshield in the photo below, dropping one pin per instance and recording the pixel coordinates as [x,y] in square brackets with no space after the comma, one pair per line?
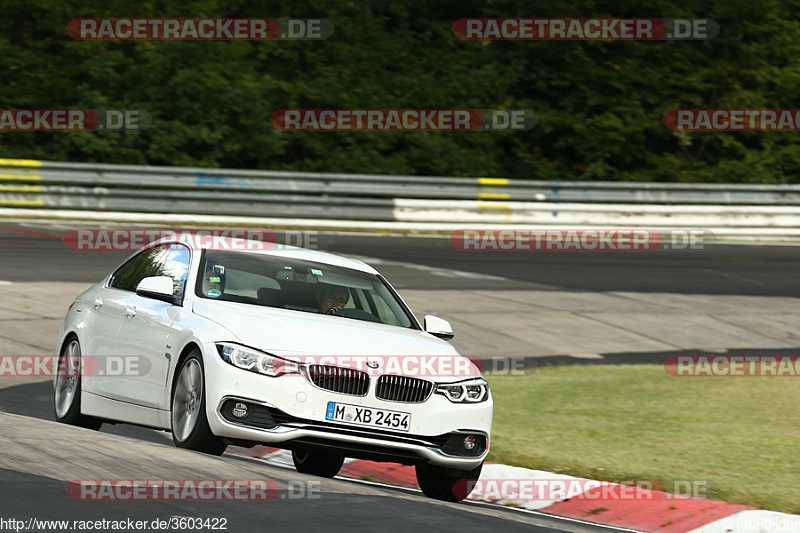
[298,285]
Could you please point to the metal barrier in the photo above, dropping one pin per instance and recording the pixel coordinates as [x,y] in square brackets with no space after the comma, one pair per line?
[382,198]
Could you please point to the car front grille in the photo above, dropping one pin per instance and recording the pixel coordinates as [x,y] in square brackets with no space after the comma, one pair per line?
[338,379]
[403,389]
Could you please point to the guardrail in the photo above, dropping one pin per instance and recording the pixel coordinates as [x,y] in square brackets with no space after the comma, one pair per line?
[386,198]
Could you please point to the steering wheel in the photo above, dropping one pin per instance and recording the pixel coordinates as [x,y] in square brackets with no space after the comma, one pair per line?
[358,314]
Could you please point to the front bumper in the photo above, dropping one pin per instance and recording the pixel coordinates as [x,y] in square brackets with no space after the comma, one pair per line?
[289,412]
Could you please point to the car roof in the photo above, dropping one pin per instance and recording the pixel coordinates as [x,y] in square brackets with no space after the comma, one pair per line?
[240,245]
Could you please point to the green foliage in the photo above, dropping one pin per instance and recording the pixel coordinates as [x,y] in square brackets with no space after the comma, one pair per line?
[600,104]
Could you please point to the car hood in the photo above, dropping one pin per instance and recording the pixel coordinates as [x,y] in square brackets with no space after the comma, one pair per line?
[287,332]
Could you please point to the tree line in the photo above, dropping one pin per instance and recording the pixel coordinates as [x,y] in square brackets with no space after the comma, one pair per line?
[600,104]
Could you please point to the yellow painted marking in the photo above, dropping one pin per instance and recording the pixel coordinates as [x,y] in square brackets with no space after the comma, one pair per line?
[493,196]
[21,188]
[494,206]
[493,181]
[21,202]
[20,163]
[19,177]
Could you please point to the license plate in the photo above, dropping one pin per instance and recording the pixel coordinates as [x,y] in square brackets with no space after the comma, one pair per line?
[368,416]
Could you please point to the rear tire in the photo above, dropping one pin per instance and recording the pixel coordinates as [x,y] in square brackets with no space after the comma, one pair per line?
[67,388]
[317,464]
[190,428]
[445,484]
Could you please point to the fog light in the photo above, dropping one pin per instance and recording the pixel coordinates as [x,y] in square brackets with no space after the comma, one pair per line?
[239,410]
[469,442]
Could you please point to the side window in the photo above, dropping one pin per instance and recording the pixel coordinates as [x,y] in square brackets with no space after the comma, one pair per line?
[175,264]
[139,267]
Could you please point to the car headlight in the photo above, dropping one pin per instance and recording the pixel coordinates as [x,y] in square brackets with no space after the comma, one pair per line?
[472,391]
[255,360]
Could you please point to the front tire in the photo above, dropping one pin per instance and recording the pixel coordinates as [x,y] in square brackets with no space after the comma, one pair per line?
[67,388]
[190,428]
[444,484]
[317,464]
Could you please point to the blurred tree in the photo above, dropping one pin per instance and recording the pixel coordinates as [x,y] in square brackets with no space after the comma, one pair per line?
[600,104]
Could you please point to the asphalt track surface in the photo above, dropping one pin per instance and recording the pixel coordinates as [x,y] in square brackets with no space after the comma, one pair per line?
[381,508]
[36,253]
[31,252]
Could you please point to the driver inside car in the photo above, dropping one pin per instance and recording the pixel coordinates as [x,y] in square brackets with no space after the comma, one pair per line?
[332,298]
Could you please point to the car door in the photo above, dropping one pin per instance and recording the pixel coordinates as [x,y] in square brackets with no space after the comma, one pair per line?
[144,335]
[106,316]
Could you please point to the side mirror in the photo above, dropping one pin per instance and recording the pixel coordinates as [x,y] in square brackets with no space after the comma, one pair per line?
[438,327]
[158,288]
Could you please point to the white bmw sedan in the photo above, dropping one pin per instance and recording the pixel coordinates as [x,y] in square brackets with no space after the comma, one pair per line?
[289,347]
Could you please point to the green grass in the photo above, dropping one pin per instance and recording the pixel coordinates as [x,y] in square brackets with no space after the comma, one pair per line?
[636,422]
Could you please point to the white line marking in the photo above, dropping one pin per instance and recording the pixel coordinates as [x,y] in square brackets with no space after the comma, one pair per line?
[433,271]
[587,355]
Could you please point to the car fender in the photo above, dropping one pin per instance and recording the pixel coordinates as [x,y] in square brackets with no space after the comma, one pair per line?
[187,329]
[75,319]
